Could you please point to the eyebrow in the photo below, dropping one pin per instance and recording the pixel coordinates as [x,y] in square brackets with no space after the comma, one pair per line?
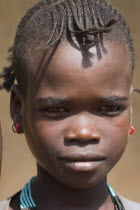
[52,100]
[115,98]
[59,101]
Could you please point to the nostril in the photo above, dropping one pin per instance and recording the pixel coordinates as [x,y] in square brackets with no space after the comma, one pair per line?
[83,136]
[70,135]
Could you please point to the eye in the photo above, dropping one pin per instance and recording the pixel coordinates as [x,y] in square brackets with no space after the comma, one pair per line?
[54,111]
[111,110]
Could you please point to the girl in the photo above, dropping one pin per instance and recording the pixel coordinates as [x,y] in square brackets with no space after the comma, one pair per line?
[73,62]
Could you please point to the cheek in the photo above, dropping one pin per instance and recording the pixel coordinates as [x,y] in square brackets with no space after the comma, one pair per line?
[43,135]
[49,133]
[117,135]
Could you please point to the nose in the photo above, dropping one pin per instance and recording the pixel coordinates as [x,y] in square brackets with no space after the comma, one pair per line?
[83,132]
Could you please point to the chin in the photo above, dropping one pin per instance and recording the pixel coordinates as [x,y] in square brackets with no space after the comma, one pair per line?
[82,181]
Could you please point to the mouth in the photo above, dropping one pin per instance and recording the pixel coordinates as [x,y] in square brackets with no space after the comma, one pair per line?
[78,162]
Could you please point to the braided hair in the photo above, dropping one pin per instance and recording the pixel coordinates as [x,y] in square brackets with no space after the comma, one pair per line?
[89,22]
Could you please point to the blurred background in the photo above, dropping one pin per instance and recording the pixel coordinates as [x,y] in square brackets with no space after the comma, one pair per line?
[18,164]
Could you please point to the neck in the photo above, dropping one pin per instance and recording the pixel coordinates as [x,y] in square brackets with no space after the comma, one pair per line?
[48,192]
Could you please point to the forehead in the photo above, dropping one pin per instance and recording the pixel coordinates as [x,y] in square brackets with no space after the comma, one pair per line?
[66,69]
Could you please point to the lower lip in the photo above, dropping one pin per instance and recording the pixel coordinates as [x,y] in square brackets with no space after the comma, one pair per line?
[81,165]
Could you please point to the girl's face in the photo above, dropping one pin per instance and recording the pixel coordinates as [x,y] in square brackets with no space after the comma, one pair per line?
[76,119]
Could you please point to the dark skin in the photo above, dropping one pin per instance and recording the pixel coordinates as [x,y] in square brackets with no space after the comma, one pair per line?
[76,121]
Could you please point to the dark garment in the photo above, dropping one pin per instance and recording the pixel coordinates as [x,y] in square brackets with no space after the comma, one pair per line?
[128,205]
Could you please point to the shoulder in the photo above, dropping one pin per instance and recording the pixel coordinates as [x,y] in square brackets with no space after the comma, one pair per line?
[4,205]
[129,205]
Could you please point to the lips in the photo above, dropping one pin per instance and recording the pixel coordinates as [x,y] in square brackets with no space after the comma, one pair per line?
[82,162]
[82,157]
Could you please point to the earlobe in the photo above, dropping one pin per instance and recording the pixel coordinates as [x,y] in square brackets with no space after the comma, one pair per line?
[131,111]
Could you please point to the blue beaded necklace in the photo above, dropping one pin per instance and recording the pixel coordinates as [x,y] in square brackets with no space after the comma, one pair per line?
[27,202]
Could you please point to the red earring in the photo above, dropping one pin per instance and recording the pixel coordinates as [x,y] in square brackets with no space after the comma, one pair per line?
[132,130]
[16,128]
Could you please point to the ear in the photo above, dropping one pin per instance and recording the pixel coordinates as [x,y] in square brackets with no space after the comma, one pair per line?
[131,109]
[131,89]
[16,104]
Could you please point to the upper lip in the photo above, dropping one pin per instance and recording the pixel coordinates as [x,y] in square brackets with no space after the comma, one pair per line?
[82,157]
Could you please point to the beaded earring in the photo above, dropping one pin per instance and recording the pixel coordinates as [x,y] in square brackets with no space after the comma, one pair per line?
[132,130]
[17,128]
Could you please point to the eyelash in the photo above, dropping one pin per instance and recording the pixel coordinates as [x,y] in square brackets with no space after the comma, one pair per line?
[111,110]
[54,111]
[106,110]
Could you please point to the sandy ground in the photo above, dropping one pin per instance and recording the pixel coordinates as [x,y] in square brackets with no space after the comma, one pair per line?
[18,163]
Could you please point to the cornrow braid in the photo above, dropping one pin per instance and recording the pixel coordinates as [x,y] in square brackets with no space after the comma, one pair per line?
[82,23]
[9,78]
